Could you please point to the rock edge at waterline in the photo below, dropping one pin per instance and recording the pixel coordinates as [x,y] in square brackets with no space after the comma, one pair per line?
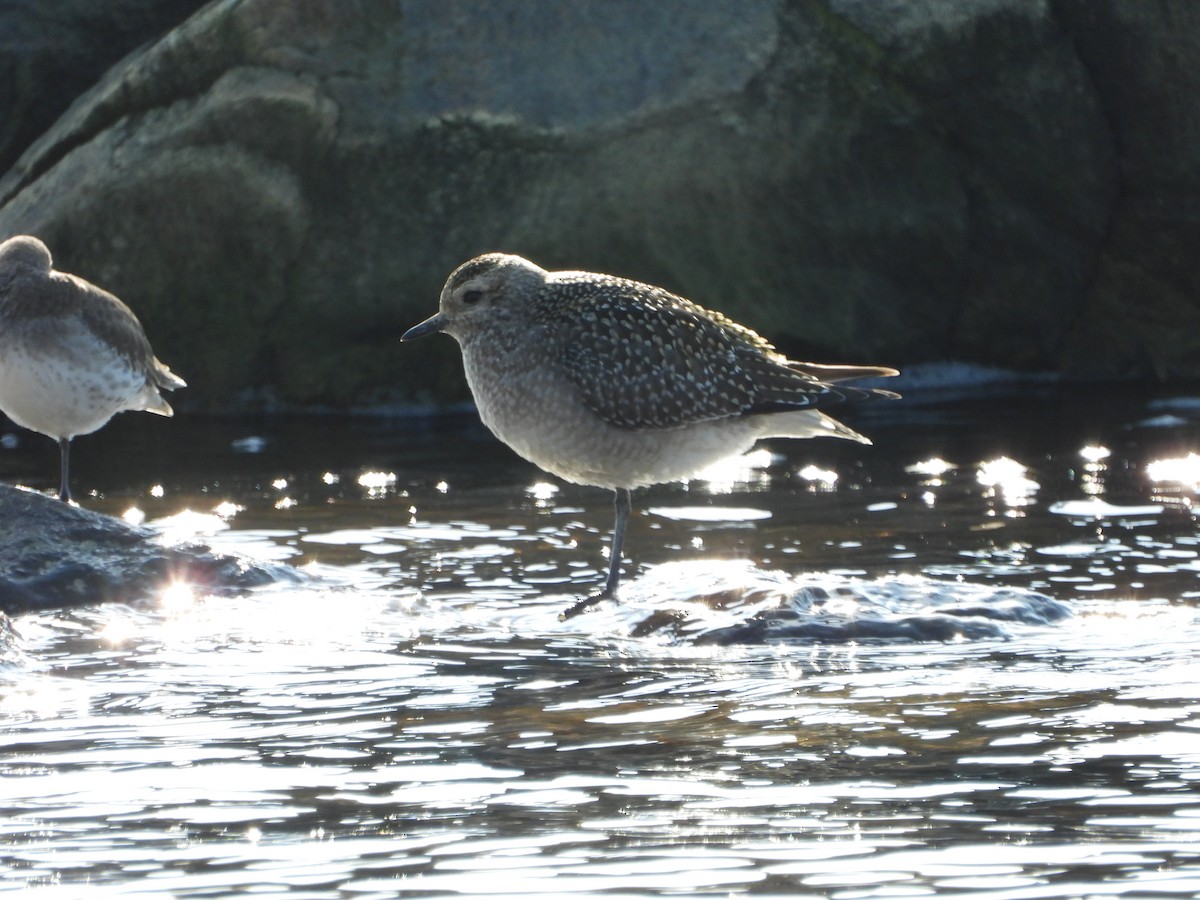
[53,554]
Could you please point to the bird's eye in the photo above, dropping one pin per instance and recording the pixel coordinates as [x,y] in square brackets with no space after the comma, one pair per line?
[472,297]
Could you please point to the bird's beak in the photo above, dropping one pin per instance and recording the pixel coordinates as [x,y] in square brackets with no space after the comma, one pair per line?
[433,325]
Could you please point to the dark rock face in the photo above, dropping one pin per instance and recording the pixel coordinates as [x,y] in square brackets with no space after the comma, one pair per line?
[50,53]
[56,555]
[279,187]
[1141,313]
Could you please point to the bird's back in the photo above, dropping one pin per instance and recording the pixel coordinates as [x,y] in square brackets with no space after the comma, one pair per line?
[73,354]
[643,358]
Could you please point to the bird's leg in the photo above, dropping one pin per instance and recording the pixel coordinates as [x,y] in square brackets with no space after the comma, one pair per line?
[64,462]
[622,504]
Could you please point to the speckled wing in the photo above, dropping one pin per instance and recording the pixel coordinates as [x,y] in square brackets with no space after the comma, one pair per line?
[643,358]
[117,325]
[112,321]
[54,306]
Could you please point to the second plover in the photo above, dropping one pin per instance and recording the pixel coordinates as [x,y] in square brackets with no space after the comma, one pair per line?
[71,355]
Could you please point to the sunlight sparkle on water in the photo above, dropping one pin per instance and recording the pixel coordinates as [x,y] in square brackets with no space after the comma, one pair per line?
[931,468]
[134,516]
[822,479]
[1095,508]
[407,714]
[189,524]
[1008,479]
[377,483]
[746,468]
[1184,470]
[542,491]
[177,596]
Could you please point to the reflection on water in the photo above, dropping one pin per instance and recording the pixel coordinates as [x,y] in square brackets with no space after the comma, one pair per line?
[416,721]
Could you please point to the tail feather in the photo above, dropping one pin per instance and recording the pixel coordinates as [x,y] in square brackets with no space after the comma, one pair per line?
[163,377]
[835,374]
[806,423]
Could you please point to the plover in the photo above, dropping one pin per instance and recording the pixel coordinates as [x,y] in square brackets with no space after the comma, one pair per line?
[609,382]
[71,355]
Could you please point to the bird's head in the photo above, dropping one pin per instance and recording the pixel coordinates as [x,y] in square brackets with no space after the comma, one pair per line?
[24,253]
[482,294]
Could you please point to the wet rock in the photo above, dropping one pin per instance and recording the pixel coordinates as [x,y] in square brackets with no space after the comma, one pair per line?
[279,187]
[726,603]
[10,647]
[56,555]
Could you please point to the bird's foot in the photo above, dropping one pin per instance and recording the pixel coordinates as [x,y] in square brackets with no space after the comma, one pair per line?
[586,603]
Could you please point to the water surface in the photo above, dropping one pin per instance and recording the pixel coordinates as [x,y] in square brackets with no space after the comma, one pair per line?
[415,720]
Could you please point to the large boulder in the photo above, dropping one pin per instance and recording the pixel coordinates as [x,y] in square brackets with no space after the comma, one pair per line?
[50,53]
[279,187]
[1141,312]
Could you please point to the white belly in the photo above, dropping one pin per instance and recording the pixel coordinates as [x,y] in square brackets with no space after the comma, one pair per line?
[62,398]
[542,418]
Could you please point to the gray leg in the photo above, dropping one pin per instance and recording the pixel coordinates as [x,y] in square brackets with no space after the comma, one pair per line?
[64,469]
[623,504]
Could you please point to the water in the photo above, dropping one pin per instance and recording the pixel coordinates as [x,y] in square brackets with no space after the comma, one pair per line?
[414,719]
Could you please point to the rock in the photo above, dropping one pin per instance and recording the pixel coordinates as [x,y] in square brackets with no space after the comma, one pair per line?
[1141,313]
[56,555]
[722,603]
[279,187]
[50,53]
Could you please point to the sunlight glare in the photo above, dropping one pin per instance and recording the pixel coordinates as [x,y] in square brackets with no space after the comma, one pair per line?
[187,525]
[542,490]
[377,483]
[1182,470]
[933,467]
[821,479]
[280,484]
[157,491]
[117,632]
[1007,479]
[134,516]
[744,468]
[543,493]
[177,596]
[1094,467]
[227,509]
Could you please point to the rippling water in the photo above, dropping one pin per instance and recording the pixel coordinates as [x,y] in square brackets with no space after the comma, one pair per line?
[414,719]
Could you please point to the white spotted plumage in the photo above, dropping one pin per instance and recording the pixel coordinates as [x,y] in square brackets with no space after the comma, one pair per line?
[614,383]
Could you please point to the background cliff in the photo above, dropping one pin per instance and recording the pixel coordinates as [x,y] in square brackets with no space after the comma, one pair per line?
[279,187]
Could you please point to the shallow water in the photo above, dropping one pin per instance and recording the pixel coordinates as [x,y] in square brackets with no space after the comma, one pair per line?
[415,720]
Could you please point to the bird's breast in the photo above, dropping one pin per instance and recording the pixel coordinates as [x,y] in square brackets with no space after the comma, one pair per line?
[533,406]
